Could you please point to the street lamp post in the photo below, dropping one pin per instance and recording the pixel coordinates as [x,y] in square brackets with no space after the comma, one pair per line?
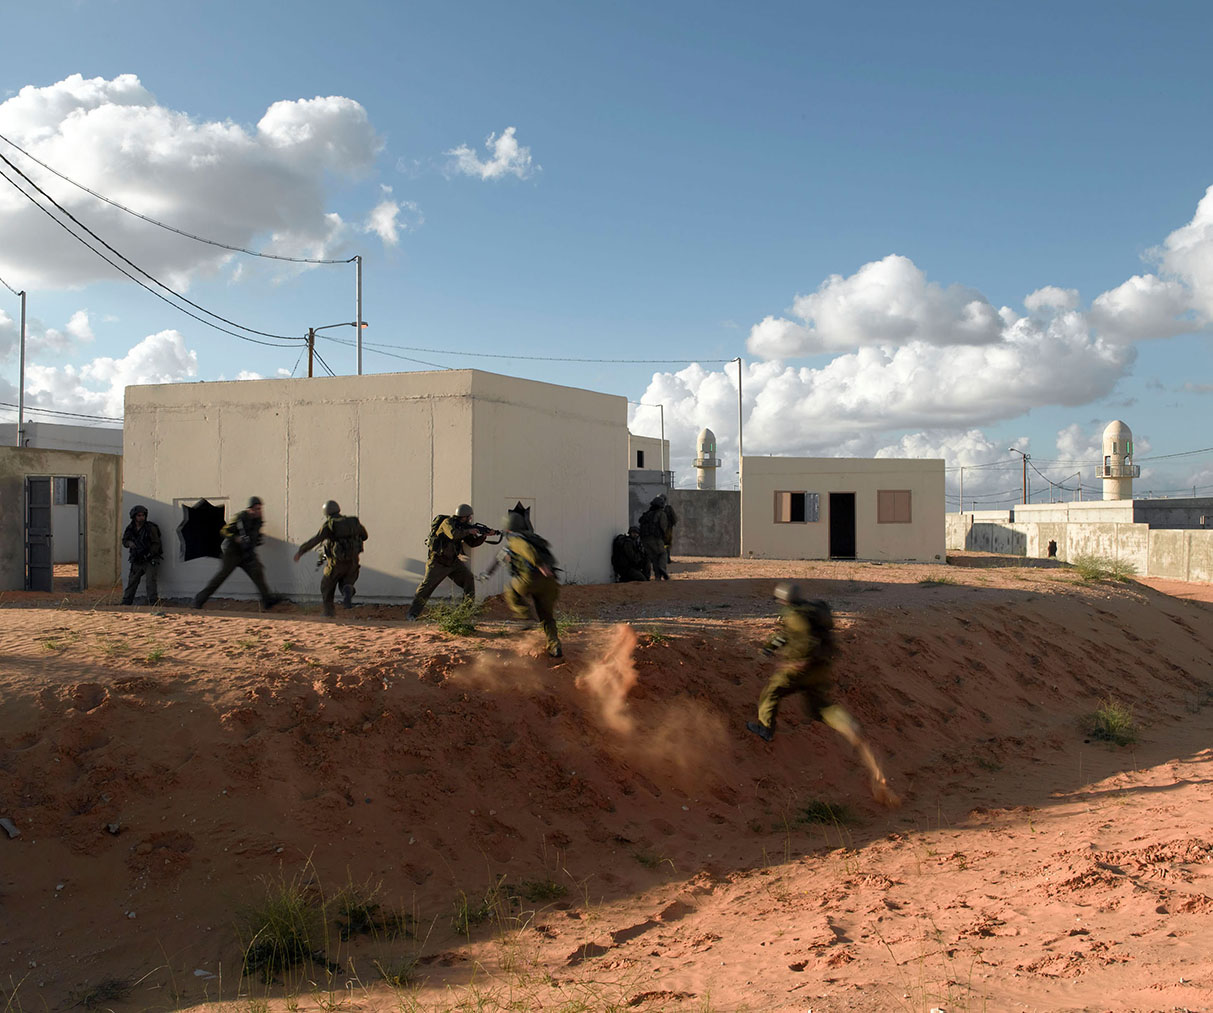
[311,340]
[1026,458]
[21,389]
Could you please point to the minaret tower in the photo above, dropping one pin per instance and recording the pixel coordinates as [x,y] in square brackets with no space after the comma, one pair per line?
[706,461]
[1117,468]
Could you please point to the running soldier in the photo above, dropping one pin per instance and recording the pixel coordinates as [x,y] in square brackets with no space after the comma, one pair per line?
[532,578]
[241,536]
[806,642]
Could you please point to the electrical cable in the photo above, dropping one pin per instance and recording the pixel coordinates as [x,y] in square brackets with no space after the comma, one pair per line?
[117,267]
[9,287]
[170,228]
[125,260]
[534,358]
[320,359]
[55,411]
[391,355]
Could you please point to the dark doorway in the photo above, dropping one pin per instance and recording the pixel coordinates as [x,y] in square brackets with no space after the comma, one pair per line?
[39,559]
[842,525]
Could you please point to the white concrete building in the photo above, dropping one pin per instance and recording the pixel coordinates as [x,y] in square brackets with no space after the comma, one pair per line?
[395,449]
[843,508]
[706,461]
[648,453]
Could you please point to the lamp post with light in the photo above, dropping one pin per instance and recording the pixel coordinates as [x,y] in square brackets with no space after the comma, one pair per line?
[311,340]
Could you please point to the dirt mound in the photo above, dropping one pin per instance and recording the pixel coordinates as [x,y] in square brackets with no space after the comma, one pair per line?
[606,818]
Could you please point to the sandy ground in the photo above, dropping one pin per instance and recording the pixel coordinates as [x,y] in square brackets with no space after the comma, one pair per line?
[617,838]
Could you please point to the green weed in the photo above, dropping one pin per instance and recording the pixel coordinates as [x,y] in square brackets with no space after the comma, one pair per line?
[50,645]
[655,635]
[470,912]
[154,655]
[538,890]
[288,645]
[458,619]
[652,860]
[565,621]
[1112,722]
[285,929]
[928,581]
[1091,567]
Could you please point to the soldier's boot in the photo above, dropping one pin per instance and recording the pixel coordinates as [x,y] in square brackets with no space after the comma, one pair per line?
[764,732]
[330,611]
[347,597]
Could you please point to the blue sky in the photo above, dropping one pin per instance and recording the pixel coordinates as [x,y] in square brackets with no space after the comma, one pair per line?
[919,225]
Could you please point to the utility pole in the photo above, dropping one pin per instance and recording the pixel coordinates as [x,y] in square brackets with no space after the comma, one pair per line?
[1025,457]
[21,389]
[311,349]
[358,308]
[961,508]
[740,494]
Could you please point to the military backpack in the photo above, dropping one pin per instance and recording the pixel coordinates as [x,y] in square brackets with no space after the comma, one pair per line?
[649,526]
[347,538]
[436,541]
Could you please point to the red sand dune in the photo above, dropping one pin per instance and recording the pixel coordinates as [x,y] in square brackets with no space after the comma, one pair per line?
[637,848]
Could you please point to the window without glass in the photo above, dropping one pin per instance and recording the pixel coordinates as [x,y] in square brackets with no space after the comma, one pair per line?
[796,507]
[640,459]
[893,506]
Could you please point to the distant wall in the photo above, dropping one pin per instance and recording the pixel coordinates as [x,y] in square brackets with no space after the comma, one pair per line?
[1175,513]
[1178,554]
[709,522]
[102,494]
[643,487]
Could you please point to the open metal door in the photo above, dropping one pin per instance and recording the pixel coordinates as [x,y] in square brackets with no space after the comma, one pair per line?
[39,556]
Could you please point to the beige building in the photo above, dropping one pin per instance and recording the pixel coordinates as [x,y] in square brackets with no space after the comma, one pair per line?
[395,449]
[843,508]
[59,506]
[648,453]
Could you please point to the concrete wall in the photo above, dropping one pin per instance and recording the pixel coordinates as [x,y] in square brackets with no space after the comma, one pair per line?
[921,540]
[102,490]
[709,522]
[1174,513]
[53,436]
[395,449]
[1177,554]
[643,487]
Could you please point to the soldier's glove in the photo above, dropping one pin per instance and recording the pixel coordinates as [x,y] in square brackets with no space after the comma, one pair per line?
[769,652]
[482,576]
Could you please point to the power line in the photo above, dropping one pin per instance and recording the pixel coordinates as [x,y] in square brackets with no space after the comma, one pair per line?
[378,351]
[170,228]
[274,344]
[536,358]
[9,287]
[56,411]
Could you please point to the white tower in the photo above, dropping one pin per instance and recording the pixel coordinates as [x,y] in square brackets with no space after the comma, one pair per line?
[706,461]
[1117,468]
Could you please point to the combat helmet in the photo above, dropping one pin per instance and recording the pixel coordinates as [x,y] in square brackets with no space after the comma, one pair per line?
[515,522]
[138,508]
[788,592]
[331,509]
[464,510]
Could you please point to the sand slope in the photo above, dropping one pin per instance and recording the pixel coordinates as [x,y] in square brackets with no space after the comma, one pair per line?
[637,847]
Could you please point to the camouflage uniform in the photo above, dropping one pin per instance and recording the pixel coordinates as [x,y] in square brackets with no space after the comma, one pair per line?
[654,526]
[805,668]
[532,581]
[448,544]
[629,559]
[242,535]
[145,554]
[341,565]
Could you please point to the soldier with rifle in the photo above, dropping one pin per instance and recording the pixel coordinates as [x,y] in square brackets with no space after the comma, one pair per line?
[448,537]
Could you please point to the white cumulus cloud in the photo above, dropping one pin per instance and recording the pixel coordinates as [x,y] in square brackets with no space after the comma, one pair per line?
[886,302]
[219,179]
[98,387]
[506,157]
